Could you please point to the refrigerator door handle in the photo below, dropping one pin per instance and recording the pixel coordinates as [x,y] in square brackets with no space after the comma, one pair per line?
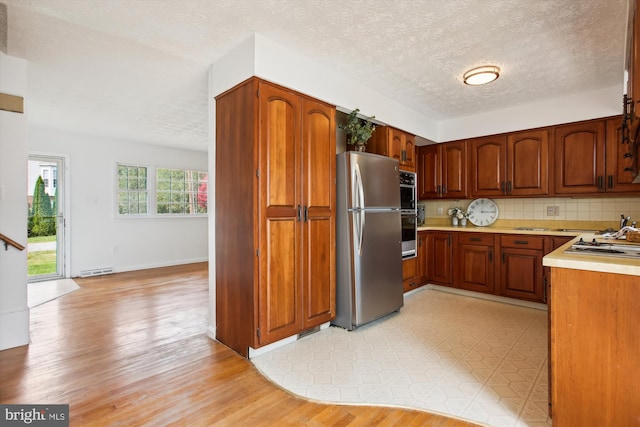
[361,217]
[359,202]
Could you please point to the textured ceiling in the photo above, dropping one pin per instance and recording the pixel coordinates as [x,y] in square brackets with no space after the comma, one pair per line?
[137,69]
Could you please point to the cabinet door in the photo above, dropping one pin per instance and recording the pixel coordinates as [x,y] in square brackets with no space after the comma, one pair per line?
[487,166]
[429,172]
[527,163]
[618,179]
[409,152]
[579,164]
[475,262]
[318,212]
[454,169]
[521,274]
[422,256]
[409,273]
[280,297]
[414,270]
[440,267]
[395,144]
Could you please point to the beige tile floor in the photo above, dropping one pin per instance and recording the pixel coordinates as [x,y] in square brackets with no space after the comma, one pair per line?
[474,359]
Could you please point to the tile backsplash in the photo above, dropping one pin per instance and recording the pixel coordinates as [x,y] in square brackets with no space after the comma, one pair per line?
[568,209]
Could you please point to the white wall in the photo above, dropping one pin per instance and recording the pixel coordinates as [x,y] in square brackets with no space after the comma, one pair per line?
[582,106]
[99,239]
[14,312]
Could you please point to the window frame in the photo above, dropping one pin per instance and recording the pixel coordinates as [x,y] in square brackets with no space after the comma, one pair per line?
[118,190]
[185,203]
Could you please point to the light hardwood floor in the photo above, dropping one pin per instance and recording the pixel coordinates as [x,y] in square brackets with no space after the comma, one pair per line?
[130,349]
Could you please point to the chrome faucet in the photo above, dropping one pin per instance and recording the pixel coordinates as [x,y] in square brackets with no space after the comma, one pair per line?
[624,221]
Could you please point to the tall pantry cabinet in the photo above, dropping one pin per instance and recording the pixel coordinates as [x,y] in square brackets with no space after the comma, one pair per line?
[275,214]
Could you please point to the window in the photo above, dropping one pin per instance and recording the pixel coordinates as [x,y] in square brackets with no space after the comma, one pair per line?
[132,190]
[45,177]
[181,192]
[55,177]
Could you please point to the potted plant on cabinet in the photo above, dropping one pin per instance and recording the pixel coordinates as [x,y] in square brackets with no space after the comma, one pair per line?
[358,130]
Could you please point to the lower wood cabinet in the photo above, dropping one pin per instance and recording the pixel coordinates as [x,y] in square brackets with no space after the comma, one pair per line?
[508,265]
[414,270]
[440,261]
[475,262]
[594,348]
[521,272]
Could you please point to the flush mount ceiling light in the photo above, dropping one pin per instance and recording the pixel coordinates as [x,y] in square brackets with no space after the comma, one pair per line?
[481,75]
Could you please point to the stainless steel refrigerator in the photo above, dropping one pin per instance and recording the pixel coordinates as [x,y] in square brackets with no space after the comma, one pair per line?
[369,239]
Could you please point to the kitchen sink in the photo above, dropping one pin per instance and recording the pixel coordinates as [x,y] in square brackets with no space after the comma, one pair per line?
[622,251]
[600,248]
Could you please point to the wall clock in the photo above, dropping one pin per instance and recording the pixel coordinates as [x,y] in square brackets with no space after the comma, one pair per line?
[482,212]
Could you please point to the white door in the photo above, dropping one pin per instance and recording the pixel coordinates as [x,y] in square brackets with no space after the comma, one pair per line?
[46,226]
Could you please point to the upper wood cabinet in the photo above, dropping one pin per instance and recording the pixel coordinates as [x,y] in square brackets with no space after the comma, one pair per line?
[579,157]
[394,143]
[591,158]
[442,171]
[619,159]
[514,164]
[275,214]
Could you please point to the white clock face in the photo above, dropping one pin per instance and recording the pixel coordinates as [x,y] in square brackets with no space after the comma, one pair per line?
[482,212]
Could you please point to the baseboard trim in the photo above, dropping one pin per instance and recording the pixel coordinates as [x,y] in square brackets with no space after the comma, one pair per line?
[150,266]
[211,332]
[495,298]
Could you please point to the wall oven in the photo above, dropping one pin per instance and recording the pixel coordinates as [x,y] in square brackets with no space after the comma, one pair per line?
[407,191]
[408,214]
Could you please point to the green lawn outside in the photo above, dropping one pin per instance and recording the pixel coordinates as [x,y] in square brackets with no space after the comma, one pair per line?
[40,239]
[41,262]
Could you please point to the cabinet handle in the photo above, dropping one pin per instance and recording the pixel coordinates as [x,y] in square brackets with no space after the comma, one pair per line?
[449,241]
[610,181]
[509,187]
[521,242]
[444,190]
[475,239]
[600,183]
[503,257]
[490,255]
[299,213]
[306,213]
[502,187]
[438,190]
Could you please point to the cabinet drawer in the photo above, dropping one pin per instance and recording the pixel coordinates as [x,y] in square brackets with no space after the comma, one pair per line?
[475,239]
[522,241]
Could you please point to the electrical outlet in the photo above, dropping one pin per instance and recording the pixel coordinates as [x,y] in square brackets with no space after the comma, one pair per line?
[440,211]
[553,210]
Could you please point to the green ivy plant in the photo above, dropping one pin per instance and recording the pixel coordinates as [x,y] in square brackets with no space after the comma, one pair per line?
[358,130]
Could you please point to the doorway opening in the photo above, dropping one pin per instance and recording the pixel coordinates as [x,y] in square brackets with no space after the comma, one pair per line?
[46,221]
